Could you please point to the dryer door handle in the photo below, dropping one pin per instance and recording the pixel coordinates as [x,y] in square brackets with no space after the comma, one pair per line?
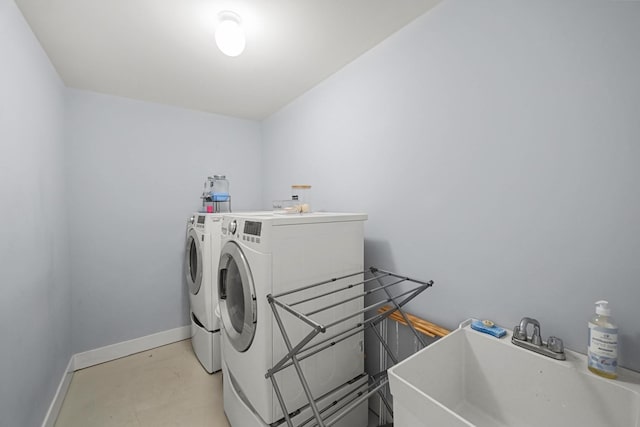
[222,283]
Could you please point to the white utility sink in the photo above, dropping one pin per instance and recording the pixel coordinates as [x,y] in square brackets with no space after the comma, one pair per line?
[473,379]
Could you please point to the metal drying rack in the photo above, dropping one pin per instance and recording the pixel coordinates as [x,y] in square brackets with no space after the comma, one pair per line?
[379,281]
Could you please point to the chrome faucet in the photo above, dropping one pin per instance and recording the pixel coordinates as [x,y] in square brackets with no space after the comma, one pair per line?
[553,348]
[520,331]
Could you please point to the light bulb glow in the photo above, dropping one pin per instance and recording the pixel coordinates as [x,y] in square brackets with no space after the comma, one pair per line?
[230,36]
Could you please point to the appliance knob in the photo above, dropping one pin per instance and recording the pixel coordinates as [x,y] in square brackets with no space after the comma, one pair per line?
[233,225]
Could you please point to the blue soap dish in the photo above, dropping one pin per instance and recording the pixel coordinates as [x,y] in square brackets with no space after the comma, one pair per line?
[488,327]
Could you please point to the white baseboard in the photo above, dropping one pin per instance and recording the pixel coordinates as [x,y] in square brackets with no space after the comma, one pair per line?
[58,398]
[126,348]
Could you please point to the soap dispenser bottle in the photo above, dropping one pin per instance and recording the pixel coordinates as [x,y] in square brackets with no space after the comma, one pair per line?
[603,342]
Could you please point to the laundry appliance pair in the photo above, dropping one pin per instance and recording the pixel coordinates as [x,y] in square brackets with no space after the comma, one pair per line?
[273,254]
[202,254]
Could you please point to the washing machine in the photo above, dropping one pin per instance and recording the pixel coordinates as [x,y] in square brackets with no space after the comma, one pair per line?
[270,254]
[201,268]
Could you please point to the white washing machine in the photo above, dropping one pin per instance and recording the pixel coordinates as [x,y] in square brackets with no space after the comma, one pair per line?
[201,266]
[272,254]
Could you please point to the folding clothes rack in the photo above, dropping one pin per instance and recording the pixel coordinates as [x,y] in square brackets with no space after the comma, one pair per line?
[428,329]
[384,283]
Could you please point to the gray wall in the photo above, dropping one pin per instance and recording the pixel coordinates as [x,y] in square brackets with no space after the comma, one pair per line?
[495,146]
[35,328]
[135,175]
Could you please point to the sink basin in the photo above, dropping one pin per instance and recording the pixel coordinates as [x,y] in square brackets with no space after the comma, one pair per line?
[473,379]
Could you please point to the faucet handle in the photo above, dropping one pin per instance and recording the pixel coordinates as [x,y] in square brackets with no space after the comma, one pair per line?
[555,344]
[519,334]
[536,339]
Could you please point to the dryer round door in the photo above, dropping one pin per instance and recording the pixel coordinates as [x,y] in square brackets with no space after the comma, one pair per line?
[193,262]
[237,297]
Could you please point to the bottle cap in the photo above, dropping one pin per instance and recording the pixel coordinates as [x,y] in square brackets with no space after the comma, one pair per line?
[602,308]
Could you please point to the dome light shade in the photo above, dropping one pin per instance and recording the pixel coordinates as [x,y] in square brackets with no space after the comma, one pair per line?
[230,35]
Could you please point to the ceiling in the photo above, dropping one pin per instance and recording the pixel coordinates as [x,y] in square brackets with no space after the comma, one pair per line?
[164,51]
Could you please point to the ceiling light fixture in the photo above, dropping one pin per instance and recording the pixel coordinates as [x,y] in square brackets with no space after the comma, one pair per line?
[229,34]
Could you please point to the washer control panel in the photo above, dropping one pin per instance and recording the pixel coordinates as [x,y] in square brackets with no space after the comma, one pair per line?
[251,231]
[252,228]
[243,230]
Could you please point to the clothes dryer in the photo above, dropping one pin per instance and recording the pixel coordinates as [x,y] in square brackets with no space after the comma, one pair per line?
[201,266]
[271,254]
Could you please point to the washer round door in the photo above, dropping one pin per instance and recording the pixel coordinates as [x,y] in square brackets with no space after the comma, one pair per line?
[193,262]
[237,297]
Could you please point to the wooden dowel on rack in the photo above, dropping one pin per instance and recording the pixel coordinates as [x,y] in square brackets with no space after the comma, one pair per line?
[430,329]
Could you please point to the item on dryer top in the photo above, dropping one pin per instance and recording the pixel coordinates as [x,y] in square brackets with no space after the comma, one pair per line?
[285,206]
[488,327]
[220,188]
[300,194]
[207,203]
[215,197]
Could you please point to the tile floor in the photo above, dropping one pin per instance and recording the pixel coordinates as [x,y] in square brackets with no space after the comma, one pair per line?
[165,386]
